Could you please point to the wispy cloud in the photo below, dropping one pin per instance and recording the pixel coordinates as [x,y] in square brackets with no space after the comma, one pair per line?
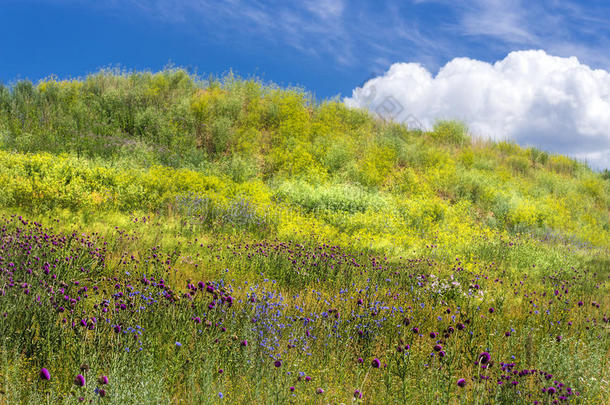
[326,9]
[564,28]
[348,33]
[372,35]
[315,27]
[504,20]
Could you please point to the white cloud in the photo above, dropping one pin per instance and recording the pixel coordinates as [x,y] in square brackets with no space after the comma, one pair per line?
[502,19]
[557,104]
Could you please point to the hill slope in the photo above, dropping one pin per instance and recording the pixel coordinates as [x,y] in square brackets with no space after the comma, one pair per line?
[335,165]
[191,238]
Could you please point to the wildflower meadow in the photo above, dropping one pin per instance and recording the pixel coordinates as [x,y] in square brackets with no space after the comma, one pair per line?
[166,238]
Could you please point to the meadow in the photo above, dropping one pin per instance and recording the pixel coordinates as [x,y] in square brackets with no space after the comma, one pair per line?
[166,238]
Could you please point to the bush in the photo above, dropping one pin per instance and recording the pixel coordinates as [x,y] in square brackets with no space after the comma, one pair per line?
[501,208]
[334,197]
[239,168]
[562,164]
[222,135]
[537,156]
[519,164]
[450,132]
[376,165]
[508,148]
[337,156]
[593,186]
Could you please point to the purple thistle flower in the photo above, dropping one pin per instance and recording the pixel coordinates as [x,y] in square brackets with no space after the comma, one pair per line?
[484,358]
[319,391]
[438,348]
[461,383]
[44,374]
[103,380]
[551,390]
[79,380]
[278,363]
[376,363]
[491,310]
[244,343]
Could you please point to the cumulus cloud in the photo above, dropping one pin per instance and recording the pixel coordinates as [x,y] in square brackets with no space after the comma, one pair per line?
[554,103]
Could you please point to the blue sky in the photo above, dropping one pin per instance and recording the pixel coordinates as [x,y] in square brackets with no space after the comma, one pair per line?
[330,47]
[327,46]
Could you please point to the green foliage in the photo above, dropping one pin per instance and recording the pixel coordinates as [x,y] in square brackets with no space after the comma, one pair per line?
[450,132]
[594,186]
[508,148]
[376,165]
[474,186]
[338,156]
[332,197]
[537,156]
[563,164]
[520,164]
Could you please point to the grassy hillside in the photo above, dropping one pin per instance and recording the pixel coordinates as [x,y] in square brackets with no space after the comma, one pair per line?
[199,225]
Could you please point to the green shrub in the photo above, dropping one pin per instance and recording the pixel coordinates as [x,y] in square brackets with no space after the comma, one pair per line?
[450,132]
[467,157]
[470,186]
[520,164]
[239,168]
[562,164]
[508,148]
[594,186]
[537,156]
[222,134]
[333,197]
[337,156]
